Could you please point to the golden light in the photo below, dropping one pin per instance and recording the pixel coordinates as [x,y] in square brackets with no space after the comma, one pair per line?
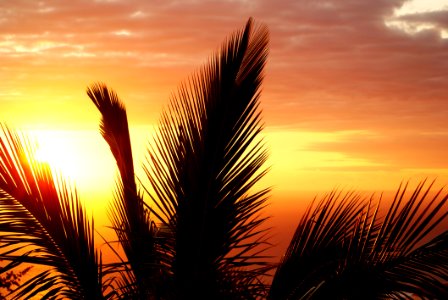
[84,159]
[79,156]
[59,154]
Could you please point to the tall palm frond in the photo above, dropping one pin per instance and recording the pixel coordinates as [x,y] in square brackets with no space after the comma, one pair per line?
[43,222]
[129,216]
[368,254]
[203,164]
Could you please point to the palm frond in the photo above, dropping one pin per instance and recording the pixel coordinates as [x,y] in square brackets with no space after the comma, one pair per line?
[317,246]
[408,247]
[371,255]
[203,164]
[129,216]
[43,222]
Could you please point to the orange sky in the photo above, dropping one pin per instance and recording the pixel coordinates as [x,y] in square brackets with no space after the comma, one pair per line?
[355,94]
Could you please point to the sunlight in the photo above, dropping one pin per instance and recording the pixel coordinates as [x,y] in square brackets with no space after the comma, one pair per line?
[81,157]
[84,159]
[60,155]
[319,162]
[60,151]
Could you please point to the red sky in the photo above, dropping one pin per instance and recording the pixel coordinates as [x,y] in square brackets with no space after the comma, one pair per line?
[355,94]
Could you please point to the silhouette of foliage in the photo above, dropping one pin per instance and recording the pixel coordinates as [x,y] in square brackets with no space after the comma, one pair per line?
[11,280]
[344,249]
[42,222]
[202,166]
[202,235]
[131,220]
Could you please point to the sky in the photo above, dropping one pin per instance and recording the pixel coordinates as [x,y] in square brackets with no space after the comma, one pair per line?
[354,97]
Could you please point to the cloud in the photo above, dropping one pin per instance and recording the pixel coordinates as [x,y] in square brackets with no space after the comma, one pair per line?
[417,16]
[334,65]
[397,150]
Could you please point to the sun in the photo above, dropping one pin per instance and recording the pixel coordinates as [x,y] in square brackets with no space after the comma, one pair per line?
[60,151]
[80,157]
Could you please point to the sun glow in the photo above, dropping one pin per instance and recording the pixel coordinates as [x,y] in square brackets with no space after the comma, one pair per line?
[84,158]
[60,152]
[56,155]
[79,156]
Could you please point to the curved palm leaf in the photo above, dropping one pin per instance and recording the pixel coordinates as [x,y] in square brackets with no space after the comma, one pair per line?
[202,165]
[365,256]
[129,216]
[317,246]
[43,222]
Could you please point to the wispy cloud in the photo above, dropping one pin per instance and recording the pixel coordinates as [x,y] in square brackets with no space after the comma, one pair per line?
[335,66]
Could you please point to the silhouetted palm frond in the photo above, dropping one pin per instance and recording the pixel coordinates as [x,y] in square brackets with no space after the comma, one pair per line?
[43,222]
[352,250]
[129,216]
[203,164]
[317,246]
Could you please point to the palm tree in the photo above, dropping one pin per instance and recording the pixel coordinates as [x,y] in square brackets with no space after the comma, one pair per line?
[202,235]
[343,249]
[43,222]
[202,166]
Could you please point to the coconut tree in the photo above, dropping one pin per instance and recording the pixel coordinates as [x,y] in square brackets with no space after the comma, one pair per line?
[197,229]
[42,222]
[347,248]
[202,166]
[130,217]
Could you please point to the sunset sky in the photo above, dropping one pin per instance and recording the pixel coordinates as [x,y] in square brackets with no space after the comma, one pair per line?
[355,94]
